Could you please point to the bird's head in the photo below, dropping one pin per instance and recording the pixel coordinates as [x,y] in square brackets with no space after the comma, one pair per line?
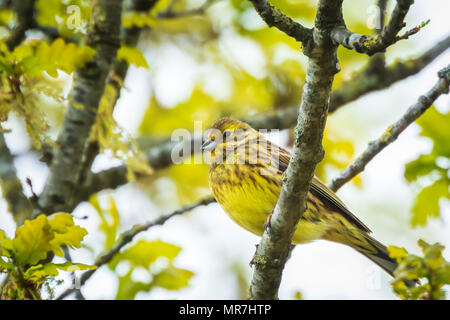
[225,135]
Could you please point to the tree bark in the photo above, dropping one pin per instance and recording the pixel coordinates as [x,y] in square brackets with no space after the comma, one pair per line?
[85,96]
[273,250]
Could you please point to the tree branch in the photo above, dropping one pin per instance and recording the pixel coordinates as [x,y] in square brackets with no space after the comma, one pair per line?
[25,12]
[393,131]
[377,63]
[85,96]
[274,18]
[370,79]
[18,204]
[382,4]
[170,14]
[373,78]
[129,37]
[159,157]
[369,44]
[128,236]
[273,250]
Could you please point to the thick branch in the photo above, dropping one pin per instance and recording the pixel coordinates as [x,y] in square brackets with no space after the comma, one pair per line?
[369,44]
[273,250]
[274,18]
[128,236]
[129,37]
[86,93]
[18,203]
[393,131]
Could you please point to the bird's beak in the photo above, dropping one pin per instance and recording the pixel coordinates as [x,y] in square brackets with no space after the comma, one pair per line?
[209,145]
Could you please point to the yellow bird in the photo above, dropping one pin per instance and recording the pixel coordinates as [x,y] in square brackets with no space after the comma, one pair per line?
[246,179]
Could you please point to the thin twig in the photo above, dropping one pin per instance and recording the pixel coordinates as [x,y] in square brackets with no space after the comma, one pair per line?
[373,44]
[274,18]
[128,236]
[171,14]
[393,131]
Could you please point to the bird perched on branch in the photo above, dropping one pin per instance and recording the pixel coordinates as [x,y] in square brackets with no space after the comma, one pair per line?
[246,179]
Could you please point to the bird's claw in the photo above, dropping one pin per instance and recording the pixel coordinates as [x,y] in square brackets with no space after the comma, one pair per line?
[252,262]
[267,224]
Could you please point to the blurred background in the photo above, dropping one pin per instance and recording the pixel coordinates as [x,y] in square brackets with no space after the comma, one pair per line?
[225,61]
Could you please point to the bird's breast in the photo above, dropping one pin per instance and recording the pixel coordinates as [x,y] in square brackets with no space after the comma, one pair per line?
[247,196]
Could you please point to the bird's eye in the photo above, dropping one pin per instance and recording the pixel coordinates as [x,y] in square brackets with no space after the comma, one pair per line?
[226,134]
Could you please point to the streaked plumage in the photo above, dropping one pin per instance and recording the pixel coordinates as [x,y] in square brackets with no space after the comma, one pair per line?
[248,192]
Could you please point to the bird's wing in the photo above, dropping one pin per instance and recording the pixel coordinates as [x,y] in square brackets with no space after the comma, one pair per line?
[331,198]
[324,193]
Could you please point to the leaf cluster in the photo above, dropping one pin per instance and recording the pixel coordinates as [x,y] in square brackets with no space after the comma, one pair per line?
[29,78]
[431,269]
[155,259]
[430,173]
[22,256]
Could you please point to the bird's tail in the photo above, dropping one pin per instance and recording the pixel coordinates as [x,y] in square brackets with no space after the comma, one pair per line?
[380,256]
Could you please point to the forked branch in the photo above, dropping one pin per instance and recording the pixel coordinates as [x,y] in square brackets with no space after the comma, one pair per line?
[393,131]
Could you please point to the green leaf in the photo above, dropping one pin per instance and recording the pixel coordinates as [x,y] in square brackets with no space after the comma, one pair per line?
[143,253]
[5,245]
[110,136]
[109,220]
[422,166]
[36,56]
[444,276]
[132,55]
[6,266]
[37,237]
[431,269]
[6,16]
[138,19]
[128,289]
[5,66]
[298,295]
[340,158]
[41,272]
[32,241]
[172,278]
[427,202]
[419,291]
[65,232]
[397,253]
[435,126]
[432,253]
[56,14]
